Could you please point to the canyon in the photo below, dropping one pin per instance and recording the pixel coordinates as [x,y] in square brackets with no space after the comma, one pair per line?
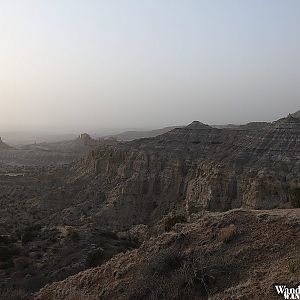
[102,209]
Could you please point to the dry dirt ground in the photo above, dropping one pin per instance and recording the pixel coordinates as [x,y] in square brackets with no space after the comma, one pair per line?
[239,254]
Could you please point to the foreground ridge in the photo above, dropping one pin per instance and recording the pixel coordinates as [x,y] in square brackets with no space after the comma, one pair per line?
[194,261]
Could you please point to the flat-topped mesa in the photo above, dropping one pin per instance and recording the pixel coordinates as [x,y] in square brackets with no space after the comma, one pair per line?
[198,125]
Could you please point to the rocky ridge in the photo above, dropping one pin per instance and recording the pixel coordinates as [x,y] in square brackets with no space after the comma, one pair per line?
[4,146]
[296,114]
[195,168]
[194,261]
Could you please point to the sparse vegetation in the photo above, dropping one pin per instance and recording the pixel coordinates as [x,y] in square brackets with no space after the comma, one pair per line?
[171,274]
[7,264]
[13,294]
[95,258]
[27,237]
[77,295]
[73,234]
[294,264]
[172,220]
[227,234]
[22,262]
[294,196]
[97,209]
[7,252]
[164,262]
[4,239]
[30,233]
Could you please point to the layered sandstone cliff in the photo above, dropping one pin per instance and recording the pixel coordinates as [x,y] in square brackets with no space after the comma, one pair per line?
[195,168]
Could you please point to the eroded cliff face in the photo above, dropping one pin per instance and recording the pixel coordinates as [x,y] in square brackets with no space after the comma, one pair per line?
[127,192]
[139,185]
[213,188]
[195,168]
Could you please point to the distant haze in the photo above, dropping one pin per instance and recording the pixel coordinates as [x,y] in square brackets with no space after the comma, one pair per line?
[74,66]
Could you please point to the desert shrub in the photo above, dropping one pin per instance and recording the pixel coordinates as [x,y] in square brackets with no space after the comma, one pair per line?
[36,227]
[129,243]
[164,262]
[294,264]
[294,196]
[77,295]
[109,235]
[22,262]
[5,239]
[173,275]
[95,258]
[34,283]
[102,196]
[27,237]
[73,234]
[227,234]
[13,294]
[30,233]
[7,252]
[172,220]
[7,264]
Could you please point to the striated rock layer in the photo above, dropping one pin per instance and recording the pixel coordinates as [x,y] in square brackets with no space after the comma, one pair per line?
[192,169]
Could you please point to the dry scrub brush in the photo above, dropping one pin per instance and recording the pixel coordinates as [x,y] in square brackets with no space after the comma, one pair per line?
[171,274]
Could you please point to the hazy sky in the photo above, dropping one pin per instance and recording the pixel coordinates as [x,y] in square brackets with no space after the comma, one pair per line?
[85,65]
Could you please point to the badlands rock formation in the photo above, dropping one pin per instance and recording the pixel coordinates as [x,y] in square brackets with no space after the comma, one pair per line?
[195,168]
[59,220]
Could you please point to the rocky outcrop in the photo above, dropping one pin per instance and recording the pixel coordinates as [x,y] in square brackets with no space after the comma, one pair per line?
[87,140]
